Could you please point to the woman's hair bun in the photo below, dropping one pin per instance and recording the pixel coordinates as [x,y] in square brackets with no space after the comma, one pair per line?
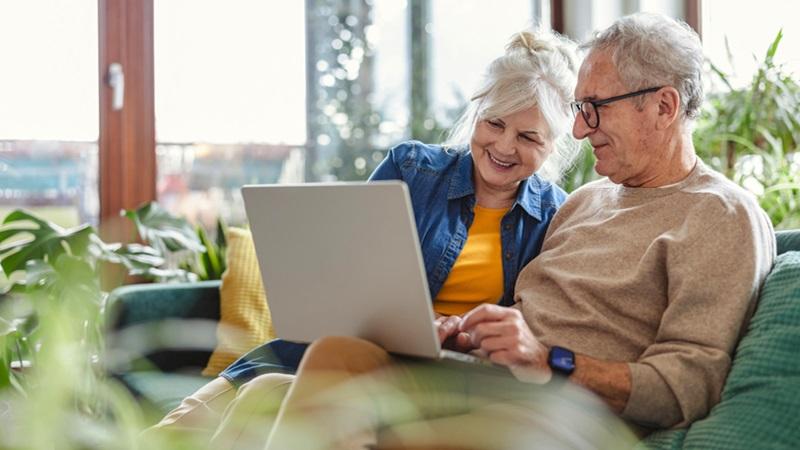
[536,43]
[529,41]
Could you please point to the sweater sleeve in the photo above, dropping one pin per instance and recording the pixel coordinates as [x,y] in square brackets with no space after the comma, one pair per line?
[714,275]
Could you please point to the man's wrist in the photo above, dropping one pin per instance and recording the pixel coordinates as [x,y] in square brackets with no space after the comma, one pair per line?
[561,361]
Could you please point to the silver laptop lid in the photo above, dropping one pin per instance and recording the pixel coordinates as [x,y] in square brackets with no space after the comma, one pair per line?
[343,259]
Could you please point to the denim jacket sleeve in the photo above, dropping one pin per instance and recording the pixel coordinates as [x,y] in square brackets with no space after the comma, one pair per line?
[388,169]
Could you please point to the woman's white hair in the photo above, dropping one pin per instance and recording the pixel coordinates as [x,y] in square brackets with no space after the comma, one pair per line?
[538,69]
[652,50]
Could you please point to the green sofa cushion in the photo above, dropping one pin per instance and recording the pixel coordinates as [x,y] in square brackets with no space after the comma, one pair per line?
[760,401]
[762,394]
[148,326]
[787,240]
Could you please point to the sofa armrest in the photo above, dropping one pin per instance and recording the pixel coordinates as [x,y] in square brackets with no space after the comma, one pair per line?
[169,327]
[138,303]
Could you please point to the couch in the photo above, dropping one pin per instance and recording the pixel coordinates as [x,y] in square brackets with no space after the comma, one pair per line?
[161,336]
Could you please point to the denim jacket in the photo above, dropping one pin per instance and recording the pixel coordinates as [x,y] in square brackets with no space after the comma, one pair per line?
[440,182]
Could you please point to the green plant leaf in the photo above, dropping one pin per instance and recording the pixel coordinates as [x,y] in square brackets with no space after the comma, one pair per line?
[722,75]
[6,327]
[5,360]
[752,134]
[773,47]
[158,274]
[211,260]
[39,274]
[162,230]
[139,256]
[221,229]
[69,278]
[38,239]
[132,256]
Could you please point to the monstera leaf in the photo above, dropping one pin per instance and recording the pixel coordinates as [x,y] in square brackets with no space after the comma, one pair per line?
[68,278]
[133,256]
[37,239]
[8,334]
[162,230]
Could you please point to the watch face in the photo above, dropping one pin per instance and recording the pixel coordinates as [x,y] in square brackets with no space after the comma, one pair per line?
[561,360]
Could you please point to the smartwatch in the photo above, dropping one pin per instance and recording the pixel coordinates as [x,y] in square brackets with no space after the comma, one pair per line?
[561,361]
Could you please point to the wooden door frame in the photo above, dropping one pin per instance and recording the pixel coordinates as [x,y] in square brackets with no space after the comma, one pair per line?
[127,157]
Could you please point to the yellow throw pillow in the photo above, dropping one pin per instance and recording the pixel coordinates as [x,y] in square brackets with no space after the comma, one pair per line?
[245,321]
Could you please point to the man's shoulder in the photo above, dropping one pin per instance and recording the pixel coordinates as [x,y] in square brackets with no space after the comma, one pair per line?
[716,206]
[712,192]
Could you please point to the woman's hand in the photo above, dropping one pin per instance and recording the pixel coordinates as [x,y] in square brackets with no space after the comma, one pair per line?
[449,334]
[505,337]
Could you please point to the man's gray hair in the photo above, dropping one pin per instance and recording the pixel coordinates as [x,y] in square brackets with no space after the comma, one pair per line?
[651,50]
[539,68]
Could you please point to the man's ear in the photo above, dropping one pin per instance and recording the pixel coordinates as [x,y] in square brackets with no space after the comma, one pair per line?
[669,106]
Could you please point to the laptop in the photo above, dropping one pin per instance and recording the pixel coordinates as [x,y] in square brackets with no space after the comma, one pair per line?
[343,259]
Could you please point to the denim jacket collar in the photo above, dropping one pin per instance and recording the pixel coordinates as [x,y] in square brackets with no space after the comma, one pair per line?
[528,194]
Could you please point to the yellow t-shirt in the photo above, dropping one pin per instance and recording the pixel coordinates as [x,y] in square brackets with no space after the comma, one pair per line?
[477,275]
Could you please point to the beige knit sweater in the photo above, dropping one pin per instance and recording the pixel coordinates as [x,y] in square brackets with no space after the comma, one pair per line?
[662,278]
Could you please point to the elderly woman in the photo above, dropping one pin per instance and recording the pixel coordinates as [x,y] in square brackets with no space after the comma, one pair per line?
[481,208]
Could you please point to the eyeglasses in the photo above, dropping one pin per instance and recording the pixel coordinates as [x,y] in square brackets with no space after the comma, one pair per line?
[591,114]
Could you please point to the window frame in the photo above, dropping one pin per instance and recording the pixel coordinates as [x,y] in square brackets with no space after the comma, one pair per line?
[126,143]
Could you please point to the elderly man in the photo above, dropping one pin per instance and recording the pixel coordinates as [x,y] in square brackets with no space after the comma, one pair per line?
[646,278]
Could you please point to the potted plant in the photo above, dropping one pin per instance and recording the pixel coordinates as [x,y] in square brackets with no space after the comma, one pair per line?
[51,323]
[752,135]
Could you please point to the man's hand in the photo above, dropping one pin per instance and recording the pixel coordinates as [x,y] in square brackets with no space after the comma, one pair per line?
[504,336]
[449,334]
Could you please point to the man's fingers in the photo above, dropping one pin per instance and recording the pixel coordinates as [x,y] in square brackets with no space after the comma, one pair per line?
[497,343]
[447,326]
[485,330]
[503,350]
[485,313]
[463,342]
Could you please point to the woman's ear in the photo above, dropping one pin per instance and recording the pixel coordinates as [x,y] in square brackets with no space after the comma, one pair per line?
[669,106]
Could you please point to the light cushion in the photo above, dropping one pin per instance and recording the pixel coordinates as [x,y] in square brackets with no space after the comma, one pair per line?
[245,321]
[761,398]
[162,390]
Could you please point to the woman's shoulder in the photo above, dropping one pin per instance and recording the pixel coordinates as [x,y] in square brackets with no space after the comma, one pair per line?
[550,194]
[419,155]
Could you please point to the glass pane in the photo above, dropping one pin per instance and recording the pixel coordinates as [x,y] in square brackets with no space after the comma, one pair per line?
[49,109]
[460,56]
[749,28]
[229,101]
[388,39]
[358,85]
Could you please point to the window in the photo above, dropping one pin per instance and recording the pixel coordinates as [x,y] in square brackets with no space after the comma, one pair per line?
[229,102]
[748,31]
[467,36]
[49,113]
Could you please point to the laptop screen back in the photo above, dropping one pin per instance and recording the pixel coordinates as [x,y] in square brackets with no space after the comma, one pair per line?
[343,259]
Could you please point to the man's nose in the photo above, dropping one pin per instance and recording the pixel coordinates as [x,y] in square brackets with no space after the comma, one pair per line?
[580,129]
